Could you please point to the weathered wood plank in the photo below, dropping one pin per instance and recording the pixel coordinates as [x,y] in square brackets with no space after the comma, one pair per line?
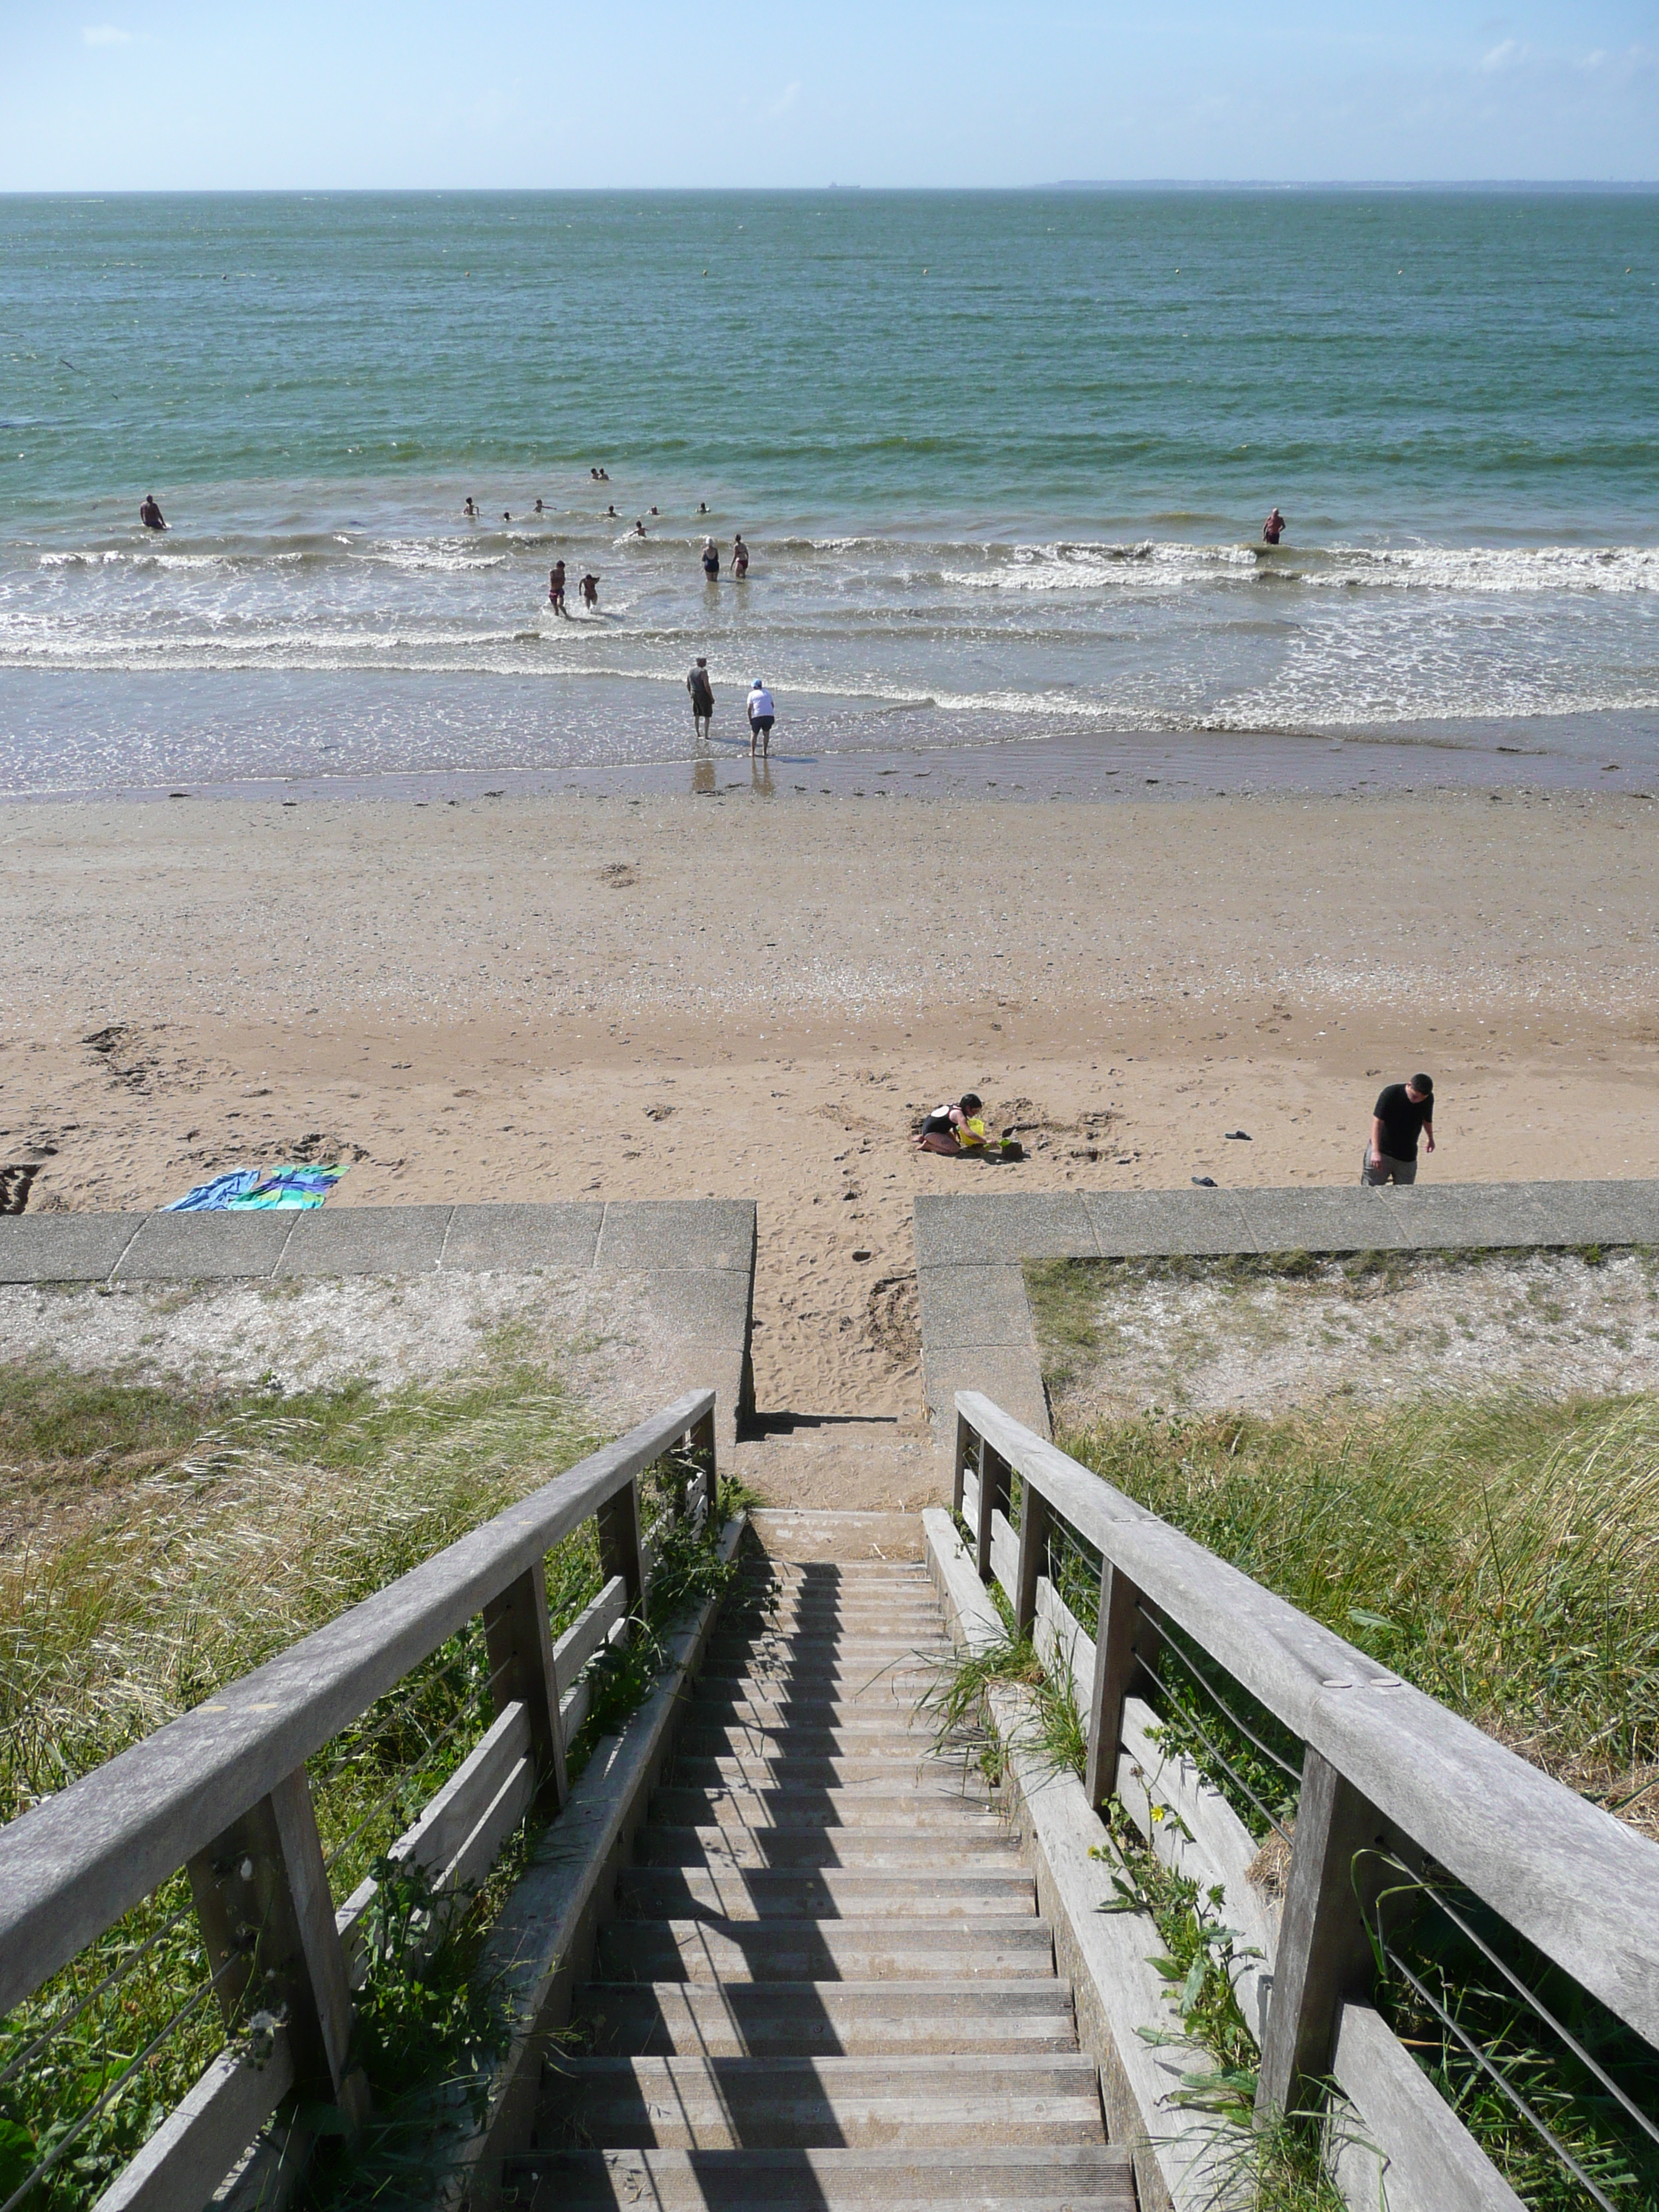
[1433,2163]
[500,1817]
[201,2138]
[1005,1551]
[587,1632]
[70,1867]
[1576,1882]
[1205,1840]
[1064,1645]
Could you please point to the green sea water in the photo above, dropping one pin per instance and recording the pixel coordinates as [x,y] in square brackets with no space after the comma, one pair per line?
[1001,460]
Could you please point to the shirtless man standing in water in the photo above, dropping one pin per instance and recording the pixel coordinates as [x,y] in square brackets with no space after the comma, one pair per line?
[556,589]
[1273,528]
[150,514]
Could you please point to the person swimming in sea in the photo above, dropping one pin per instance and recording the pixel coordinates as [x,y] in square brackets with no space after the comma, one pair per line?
[1273,528]
[739,556]
[538,507]
[151,516]
[639,527]
[613,514]
[470,508]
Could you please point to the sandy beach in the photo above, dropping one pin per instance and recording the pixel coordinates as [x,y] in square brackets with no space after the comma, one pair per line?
[542,997]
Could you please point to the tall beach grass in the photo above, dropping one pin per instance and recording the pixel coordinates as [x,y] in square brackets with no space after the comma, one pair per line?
[1502,1554]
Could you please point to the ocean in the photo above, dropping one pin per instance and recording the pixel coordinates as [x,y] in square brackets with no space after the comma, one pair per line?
[1001,460]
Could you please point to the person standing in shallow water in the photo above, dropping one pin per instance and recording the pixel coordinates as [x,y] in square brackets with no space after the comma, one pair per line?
[702,697]
[556,588]
[1403,1112]
[762,714]
[150,515]
[739,556]
[1273,528]
[711,561]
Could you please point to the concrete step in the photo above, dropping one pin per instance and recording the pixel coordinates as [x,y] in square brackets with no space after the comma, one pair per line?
[707,1770]
[678,1893]
[895,1850]
[732,2104]
[884,1950]
[849,2019]
[946,1809]
[993,2177]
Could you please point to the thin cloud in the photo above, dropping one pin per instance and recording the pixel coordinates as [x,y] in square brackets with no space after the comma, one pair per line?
[105,34]
[790,94]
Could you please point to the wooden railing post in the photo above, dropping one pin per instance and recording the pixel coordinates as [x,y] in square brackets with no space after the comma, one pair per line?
[966,1443]
[702,1447]
[1033,1554]
[992,1492]
[621,1551]
[1324,1955]
[1120,1631]
[518,1638]
[267,1918]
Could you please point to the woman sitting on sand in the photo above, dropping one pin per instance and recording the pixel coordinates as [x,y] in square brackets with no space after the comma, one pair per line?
[955,1129]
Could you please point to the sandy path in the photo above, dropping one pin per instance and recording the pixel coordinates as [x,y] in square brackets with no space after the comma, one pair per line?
[543,998]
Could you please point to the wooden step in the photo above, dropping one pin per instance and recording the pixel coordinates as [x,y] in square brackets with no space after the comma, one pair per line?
[849,2019]
[944,1809]
[759,1703]
[992,2177]
[788,1771]
[702,1737]
[761,2104]
[963,1844]
[882,1950]
[679,1893]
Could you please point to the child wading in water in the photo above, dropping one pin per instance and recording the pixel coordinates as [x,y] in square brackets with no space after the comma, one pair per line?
[958,1129]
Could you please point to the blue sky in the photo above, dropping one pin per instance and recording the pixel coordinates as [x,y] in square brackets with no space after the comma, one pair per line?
[184,94]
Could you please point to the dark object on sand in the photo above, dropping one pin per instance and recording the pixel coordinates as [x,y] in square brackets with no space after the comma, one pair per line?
[1205,1182]
[15,1188]
[1009,1149]
[1238,1136]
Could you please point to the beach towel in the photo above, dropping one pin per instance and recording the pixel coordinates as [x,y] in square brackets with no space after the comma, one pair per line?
[249,1189]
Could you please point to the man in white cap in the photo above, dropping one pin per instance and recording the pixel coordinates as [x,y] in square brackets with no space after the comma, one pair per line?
[761,714]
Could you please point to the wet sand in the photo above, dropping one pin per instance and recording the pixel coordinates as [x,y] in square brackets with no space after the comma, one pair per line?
[542,997]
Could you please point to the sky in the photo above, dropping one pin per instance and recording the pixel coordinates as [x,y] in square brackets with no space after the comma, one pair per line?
[251,94]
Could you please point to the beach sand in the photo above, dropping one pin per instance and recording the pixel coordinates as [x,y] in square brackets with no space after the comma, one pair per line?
[684,997]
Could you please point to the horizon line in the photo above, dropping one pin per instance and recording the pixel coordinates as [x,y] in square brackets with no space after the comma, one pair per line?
[1052,184]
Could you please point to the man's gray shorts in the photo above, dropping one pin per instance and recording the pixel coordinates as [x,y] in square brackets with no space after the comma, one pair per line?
[1388,1171]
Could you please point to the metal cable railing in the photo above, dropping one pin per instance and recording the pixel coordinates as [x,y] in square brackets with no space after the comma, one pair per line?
[1229,1666]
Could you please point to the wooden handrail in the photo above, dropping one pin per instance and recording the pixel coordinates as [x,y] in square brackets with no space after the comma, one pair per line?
[1577,1883]
[70,1868]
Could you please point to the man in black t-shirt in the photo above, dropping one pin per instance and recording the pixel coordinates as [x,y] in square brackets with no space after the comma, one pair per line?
[1404,1112]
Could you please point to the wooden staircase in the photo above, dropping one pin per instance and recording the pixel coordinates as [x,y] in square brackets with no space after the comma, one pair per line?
[825,1984]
